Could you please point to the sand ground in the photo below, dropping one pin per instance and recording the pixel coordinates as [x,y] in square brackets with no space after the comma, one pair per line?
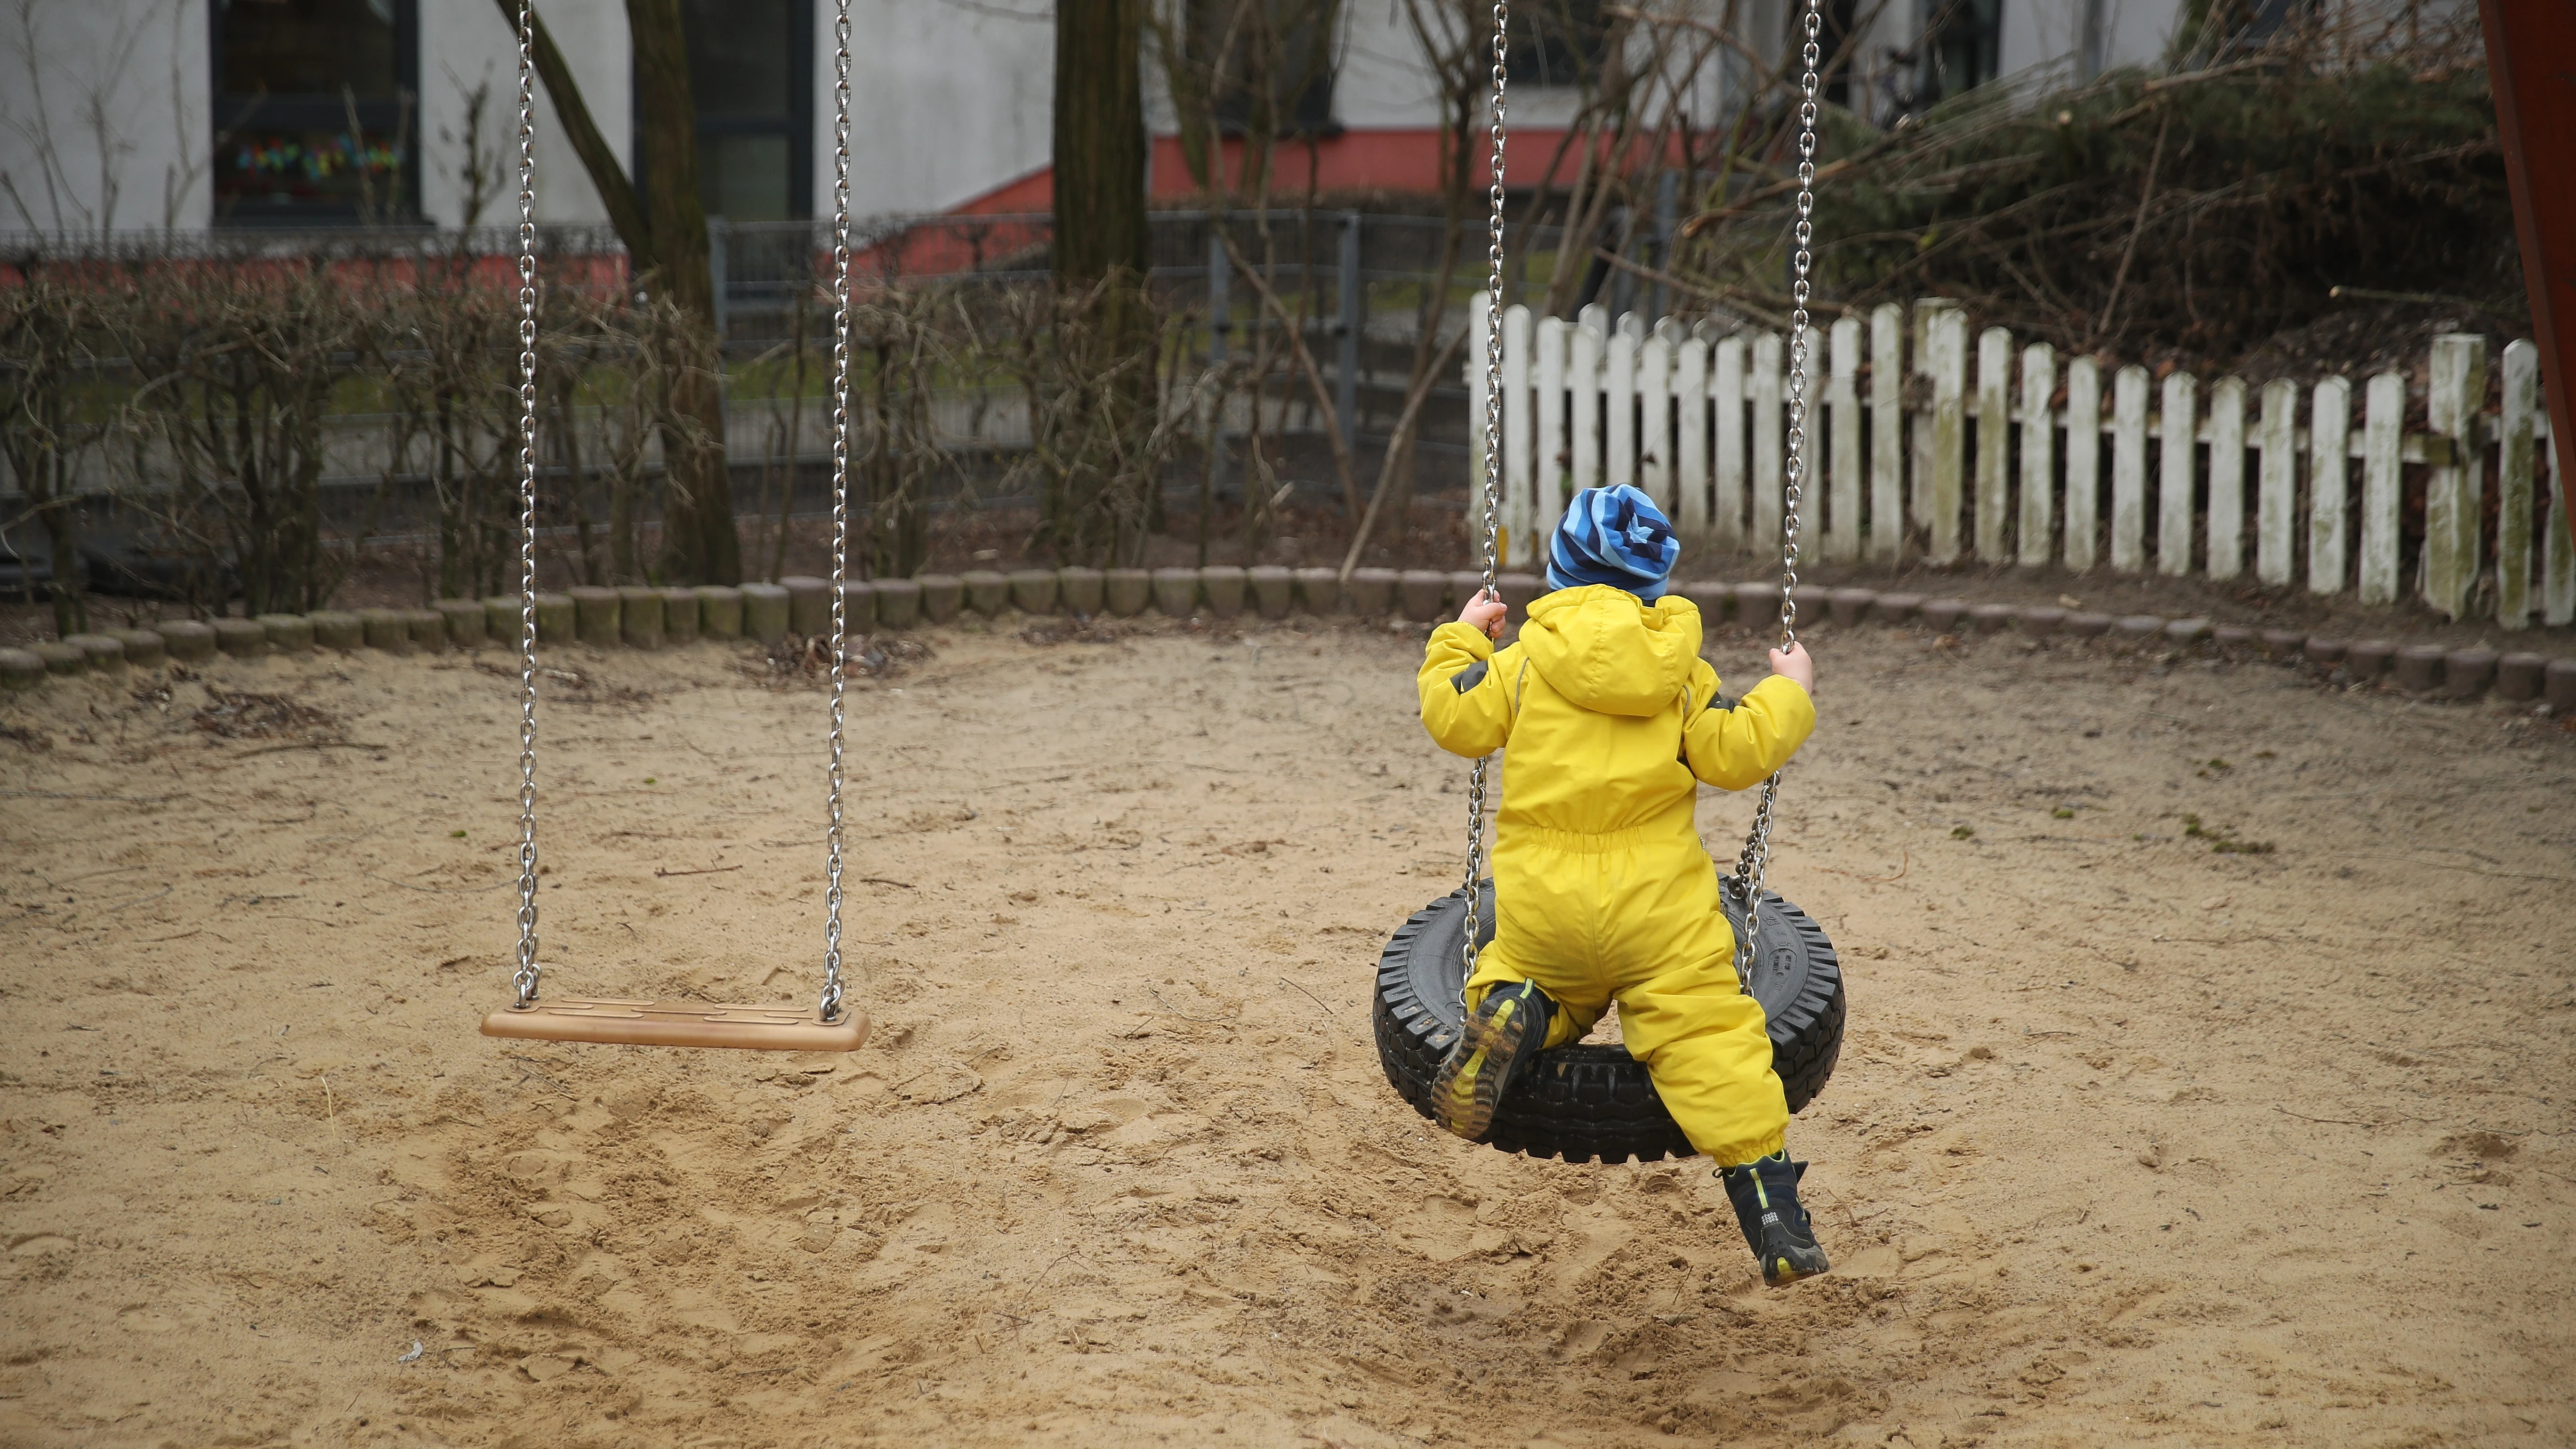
[2132,1141]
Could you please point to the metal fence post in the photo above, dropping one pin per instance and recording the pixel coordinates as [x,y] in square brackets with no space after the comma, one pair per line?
[1220,280]
[1346,386]
[1220,322]
[1667,200]
[719,269]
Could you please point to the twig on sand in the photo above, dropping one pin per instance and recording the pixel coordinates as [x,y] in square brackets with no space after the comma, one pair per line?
[313,745]
[2446,865]
[2344,1121]
[65,795]
[1905,863]
[710,870]
[1183,1016]
[439,890]
[1310,996]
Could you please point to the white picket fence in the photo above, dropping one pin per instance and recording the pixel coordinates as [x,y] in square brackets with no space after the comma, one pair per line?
[1943,462]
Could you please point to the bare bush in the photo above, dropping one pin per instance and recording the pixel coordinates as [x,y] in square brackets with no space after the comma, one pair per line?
[49,421]
[2191,212]
[236,369]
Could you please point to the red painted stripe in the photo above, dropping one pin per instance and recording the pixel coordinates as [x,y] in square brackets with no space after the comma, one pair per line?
[1406,160]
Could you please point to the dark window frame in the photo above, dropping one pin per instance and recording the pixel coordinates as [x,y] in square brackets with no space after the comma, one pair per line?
[797,126]
[1954,26]
[235,111]
[1308,114]
[1556,43]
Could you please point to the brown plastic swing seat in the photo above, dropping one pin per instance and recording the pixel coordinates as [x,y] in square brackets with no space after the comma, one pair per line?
[682,1024]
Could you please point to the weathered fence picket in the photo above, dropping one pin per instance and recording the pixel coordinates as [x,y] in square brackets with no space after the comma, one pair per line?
[1520,491]
[2558,594]
[2083,461]
[1886,425]
[1554,341]
[2452,487]
[2176,433]
[1896,466]
[1655,421]
[1691,401]
[2038,453]
[2277,482]
[2514,478]
[1583,379]
[1994,423]
[1730,441]
[2329,484]
[1842,416]
[1769,444]
[2129,470]
[1619,409]
[2227,478]
[1949,430]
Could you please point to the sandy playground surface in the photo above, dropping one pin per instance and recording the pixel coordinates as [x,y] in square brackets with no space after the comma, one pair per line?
[2132,1142]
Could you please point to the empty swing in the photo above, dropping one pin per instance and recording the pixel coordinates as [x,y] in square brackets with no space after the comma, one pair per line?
[832,1025]
[1586,1101]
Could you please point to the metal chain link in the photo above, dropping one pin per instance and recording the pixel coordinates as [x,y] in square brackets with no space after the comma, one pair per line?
[1493,460]
[830,1006]
[1750,866]
[525,978]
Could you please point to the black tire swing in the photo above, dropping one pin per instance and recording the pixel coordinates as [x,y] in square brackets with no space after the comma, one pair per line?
[1584,1102]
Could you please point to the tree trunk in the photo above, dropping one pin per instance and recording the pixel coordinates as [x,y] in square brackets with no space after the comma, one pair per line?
[699,542]
[1099,141]
[1101,255]
[666,235]
[616,193]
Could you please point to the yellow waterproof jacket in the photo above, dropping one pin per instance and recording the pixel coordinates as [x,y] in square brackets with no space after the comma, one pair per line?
[1611,715]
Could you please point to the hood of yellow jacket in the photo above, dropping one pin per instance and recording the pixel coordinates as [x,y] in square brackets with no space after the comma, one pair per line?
[1601,648]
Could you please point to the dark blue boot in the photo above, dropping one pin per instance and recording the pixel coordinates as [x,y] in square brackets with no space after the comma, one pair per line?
[1500,1036]
[1765,1194]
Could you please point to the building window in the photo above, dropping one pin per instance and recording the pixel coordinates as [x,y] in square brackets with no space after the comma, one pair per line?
[1283,51]
[314,115]
[1837,20]
[751,77]
[1962,49]
[1555,42]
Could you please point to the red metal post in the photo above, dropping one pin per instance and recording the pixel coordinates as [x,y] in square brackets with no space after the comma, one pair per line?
[2531,65]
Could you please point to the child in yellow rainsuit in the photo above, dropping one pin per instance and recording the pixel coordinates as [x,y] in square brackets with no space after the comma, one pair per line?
[1602,889]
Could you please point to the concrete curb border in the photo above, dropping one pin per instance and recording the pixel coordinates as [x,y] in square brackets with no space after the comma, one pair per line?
[649,618]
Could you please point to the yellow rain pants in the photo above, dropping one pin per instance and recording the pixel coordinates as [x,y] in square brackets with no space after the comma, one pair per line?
[1602,890]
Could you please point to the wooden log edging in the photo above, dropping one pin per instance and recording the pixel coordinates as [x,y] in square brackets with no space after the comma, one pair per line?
[764,613]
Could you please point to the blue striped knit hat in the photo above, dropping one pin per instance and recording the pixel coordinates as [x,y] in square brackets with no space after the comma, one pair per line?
[1615,536]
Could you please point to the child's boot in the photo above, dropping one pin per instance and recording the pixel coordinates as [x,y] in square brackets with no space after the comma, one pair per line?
[1500,1037]
[1765,1194]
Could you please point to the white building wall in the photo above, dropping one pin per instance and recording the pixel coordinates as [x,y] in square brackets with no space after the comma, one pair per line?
[465,44]
[2050,33]
[104,114]
[2135,32]
[1385,84]
[105,105]
[947,102]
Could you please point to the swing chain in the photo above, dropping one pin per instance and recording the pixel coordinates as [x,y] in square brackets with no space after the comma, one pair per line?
[830,1005]
[1749,866]
[524,979]
[1493,459]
